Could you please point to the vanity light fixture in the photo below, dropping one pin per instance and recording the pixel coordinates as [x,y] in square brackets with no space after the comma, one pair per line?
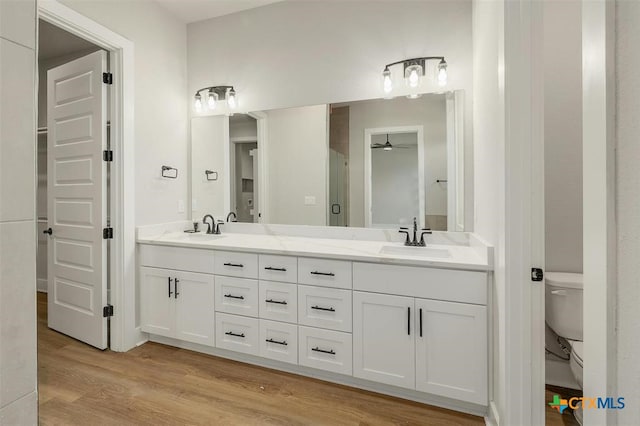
[414,70]
[215,94]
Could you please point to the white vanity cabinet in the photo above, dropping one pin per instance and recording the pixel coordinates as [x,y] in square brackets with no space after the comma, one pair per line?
[177,304]
[433,346]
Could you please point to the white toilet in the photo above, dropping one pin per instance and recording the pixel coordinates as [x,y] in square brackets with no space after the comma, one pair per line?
[563,301]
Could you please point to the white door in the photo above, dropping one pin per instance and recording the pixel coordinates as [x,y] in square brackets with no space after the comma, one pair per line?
[77,208]
[157,306]
[384,339]
[451,350]
[194,300]
[256,185]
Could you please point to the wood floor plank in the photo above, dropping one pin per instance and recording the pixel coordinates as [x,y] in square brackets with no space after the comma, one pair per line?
[156,384]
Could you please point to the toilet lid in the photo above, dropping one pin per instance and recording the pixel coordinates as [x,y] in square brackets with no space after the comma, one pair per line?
[577,351]
[564,280]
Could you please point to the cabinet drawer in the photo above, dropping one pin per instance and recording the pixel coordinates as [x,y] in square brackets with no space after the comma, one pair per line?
[278,301]
[278,268]
[324,307]
[429,283]
[235,264]
[178,258]
[235,333]
[325,273]
[324,349]
[279,341]
[237,296]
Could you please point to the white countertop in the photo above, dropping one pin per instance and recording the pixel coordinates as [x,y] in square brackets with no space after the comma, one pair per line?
[460,256]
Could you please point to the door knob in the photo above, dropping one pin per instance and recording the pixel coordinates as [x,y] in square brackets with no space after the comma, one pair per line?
[48,231]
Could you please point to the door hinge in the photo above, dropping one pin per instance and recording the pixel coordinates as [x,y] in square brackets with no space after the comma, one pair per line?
[537,274]
[107,311]
[107,233]
[107,78]
[107,155]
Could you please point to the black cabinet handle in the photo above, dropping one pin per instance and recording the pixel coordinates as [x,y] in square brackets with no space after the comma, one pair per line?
[231,333]
[320,308]
[409,321]
[317,349]
[327,274]
[176,287]
[235,265]
[169,285]
[48,231]
[277,302]
[420,312]
[231,296]
[277,342]
[271,268]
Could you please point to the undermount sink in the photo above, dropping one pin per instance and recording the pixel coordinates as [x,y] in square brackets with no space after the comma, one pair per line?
[415,251]
[192,236]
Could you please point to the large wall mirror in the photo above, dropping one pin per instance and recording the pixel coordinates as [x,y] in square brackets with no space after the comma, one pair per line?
[373,163]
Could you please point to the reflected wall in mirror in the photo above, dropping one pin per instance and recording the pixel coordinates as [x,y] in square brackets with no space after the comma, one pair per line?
[374,163]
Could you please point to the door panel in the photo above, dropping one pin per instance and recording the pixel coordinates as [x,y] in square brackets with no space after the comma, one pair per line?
[384,339]
[157,306]
[195,318]
[451,353]
[77,278]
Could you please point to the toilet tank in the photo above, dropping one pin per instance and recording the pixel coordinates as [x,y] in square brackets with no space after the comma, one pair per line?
[563,304]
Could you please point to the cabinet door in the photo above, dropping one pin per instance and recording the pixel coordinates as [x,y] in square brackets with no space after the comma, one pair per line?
[451,352]
[194,306]
[384,338]
[157,313]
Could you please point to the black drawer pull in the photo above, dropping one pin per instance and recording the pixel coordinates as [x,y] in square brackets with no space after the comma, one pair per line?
[320,308]
[277,342]
[277,302]
[231,296]
[317,349]
[235,265]
[231,333]
[271,268]
[326,274]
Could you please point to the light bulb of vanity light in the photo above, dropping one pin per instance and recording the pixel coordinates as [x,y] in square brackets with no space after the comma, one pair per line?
[231,99]
[412,75]
[211,99]
[387,83]
[442,73]
[198,102]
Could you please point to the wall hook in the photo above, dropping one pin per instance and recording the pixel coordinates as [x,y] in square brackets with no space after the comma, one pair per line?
[166,172]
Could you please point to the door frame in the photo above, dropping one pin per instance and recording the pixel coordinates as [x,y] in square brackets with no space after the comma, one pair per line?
[125,333]
[422,195]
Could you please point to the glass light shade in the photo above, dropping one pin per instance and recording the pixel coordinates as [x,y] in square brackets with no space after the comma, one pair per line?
[442,73]
[198,102]
[387,83]
[232,102]
[387,148]
[211,99]
[412,75]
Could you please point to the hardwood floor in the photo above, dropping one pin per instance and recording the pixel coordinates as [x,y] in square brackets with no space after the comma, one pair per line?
[552,417]
[161,385]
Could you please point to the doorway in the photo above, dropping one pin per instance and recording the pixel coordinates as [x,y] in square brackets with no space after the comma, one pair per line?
[244,168]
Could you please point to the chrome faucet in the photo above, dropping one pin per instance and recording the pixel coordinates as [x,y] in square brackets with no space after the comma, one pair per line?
[235,217]
[210,226]
[414,242]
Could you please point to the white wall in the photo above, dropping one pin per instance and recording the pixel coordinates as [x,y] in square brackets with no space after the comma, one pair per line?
[294,53]
[298,155]
[161,106]
[628,207]
[563,135]
[428,111]
[489,174]
[18,366]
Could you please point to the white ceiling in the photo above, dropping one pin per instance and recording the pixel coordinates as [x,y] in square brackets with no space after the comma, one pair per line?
[54,42]
[199,10]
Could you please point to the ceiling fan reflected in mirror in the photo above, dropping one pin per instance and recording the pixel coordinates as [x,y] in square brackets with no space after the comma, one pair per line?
[387,146]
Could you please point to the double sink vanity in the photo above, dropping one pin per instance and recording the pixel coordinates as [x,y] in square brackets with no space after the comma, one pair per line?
[351,306]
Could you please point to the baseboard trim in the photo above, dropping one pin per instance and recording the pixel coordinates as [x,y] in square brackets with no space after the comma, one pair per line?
[493,419]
